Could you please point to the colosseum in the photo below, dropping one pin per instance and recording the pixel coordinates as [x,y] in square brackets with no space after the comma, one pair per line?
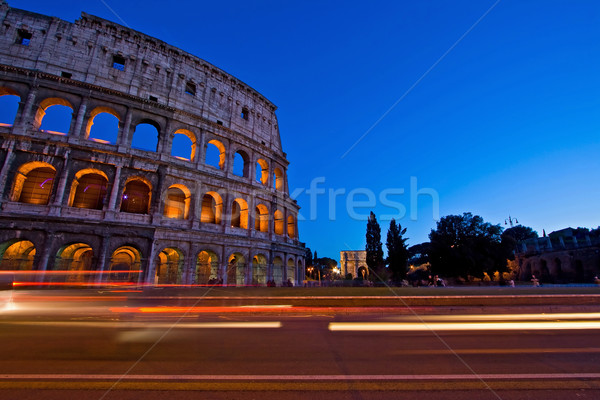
[127,160]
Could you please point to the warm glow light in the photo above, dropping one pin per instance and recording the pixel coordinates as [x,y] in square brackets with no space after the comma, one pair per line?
[100,141]
[462,326]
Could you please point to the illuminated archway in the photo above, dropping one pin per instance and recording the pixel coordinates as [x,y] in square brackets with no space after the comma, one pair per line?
[136,196]
[54,115]
[236,269]
[169,267]
[33,183]
[278,271]
[261,218]
[17,255]
[184,145]
[212,208]
[89,189]
[125,264]
[9,104]
[177,202]
[278,181]
[103,125]
[278,222]
[291,226]
[215,154]
[259,270]
[262,171]
[76,257]
[207,268]
[239,214]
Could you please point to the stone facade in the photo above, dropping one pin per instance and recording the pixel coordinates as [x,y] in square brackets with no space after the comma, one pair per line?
[71,201]
[354,262]
[561,257]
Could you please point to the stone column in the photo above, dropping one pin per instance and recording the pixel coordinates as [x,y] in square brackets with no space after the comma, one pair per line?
[77,130]
[62,183]
[103,257]
[114,193]
[5,167]
[124,140]
[20,127]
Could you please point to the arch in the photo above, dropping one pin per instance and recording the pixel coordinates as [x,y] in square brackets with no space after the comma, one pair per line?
[259,270]
[184,145]
[136,196]
[9,106]
[362,272]
[215,154]
[261,218]
[33,183]
[262,171]
[145,136]
[241,164]
[291,271]
[291,226]
[89,189]
[58,121]
[169,267]
[76,257]
[125,264]
[278,222]
[236,269]
[103,125]
[17,255]
[278,270]
[278,181]
[207,268]
[177,202]
[544,271]
[239,214]
[212,208]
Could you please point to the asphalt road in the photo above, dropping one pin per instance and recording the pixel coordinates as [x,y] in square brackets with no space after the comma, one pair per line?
[90,349]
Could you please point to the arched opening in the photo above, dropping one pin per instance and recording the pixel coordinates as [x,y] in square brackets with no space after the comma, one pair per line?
[207,268]
[545,272]
[278,271]
[291,271]
[262,171]
[136,197]
[291,226]
[259,270]
[278,222]
[54,116]
[9,106]
[236,269]
[363,272]
[212,208]
[215,154]
[240,164]
[125,265]
[89,189]
[33,183]
[103,125]
[261,218]
[169,267]
[177,202]
[77,258]
[278,181]
[17,255]
[184,145]
[239,214]
[145,136]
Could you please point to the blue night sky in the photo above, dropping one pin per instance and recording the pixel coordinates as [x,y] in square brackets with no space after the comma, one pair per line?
[505,123]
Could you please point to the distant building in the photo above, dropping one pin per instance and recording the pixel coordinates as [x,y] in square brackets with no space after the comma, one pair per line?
[564,256]
[354,262]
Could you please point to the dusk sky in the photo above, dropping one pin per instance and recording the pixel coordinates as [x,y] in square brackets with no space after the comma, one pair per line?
[490,107]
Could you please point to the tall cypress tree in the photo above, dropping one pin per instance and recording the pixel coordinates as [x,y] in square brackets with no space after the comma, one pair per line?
[374,247]
[397,251]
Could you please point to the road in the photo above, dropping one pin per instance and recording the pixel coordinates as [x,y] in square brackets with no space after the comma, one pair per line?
[98,348]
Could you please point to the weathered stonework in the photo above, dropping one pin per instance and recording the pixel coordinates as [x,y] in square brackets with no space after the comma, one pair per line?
[354,262]
[197,223]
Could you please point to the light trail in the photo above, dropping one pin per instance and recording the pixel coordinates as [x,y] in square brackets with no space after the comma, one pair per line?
[151,325]
[461,326]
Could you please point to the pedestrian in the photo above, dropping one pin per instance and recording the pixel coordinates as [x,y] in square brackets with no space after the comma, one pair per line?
[535,281]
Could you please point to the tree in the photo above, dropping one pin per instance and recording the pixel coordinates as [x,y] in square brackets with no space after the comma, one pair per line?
[520,233]
[308,260]
[397,251]
[467,246]
[374,247]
